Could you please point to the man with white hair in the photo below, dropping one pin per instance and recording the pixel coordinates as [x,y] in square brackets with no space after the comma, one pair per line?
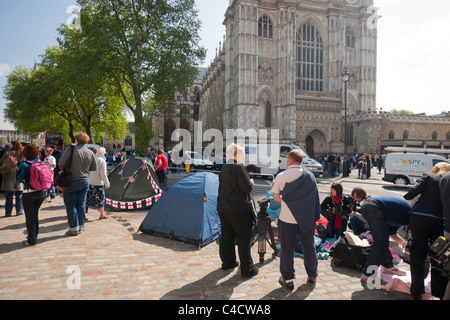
[236,221]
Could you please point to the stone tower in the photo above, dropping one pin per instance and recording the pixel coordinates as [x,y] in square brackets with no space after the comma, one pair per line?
[284,64]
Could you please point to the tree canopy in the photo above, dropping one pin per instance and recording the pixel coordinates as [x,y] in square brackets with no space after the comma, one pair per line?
[65,93]
[401,112]
[132,54]
[149,50]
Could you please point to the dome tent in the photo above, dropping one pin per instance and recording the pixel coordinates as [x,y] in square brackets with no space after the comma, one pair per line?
[187,211]
[134,185]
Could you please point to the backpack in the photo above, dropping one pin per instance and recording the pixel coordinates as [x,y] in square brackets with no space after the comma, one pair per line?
[40,176]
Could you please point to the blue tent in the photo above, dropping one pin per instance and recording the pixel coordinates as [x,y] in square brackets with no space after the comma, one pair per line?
[187,211]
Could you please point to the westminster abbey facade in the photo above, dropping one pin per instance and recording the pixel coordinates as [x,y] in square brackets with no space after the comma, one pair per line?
[281,65]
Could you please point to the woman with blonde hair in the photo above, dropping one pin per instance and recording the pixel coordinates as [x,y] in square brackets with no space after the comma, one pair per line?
[98,183]
[236,220]
[427,224]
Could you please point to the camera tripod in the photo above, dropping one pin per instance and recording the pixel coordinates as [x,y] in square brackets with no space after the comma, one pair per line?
[262,231]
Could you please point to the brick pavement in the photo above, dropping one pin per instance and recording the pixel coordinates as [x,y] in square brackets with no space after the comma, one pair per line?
[116,262]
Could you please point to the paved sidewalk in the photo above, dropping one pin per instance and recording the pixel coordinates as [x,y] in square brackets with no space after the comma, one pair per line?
[113,261]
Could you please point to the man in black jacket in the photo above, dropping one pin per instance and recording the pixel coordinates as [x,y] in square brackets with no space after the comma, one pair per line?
[236,221]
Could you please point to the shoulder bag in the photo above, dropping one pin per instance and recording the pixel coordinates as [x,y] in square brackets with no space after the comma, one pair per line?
[9,164]
[65,178]
[252,209]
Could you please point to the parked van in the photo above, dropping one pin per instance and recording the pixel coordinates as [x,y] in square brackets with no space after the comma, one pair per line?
[406,168]
[255,164]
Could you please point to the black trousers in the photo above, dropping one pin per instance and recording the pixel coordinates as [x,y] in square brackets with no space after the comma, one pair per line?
[162,178]
[425,231]
[32,201]
[238,230]
[288,234]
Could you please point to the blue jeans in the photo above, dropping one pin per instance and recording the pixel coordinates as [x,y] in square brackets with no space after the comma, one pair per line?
[379,253]
[333,232]
[75,196]
[51,192]
[9,202]
[356,225]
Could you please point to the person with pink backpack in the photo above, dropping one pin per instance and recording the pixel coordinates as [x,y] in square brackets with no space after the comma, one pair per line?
[34,177]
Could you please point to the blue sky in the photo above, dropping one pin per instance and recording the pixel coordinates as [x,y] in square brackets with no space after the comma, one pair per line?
[413,51]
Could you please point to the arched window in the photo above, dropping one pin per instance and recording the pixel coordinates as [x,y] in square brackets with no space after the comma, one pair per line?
[405,135]
[310,65]
[391,135]
[265,28]
[434,136]
[268,114]
[349,38]
[184,111]
[196,95]
[448,136]
[128,141]
[169,128]
[184,124]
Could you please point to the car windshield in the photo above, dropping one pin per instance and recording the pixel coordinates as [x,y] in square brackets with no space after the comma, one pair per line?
[196,155]
[304,154]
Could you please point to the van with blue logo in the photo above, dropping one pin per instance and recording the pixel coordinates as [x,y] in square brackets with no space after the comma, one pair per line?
[405,168]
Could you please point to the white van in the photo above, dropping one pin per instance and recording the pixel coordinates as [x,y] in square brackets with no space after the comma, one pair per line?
[198,162]
[406,168]
[255,164]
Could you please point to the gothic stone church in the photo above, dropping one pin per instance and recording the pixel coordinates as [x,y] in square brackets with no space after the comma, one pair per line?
[281,65]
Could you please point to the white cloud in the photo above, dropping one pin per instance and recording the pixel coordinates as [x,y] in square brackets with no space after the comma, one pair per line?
[4,69]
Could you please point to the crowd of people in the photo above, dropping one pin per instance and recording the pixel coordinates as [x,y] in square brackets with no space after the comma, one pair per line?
[425,209]
[336,164]
[428,218]
[86,189]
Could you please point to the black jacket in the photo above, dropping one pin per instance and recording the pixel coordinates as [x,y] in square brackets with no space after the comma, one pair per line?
[445,199]
[234,190]
[328,205]
[430,199]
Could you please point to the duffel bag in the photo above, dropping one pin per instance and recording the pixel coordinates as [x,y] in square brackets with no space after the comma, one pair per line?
[348,255]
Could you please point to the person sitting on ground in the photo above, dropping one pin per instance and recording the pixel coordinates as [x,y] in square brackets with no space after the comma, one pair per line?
[336,208]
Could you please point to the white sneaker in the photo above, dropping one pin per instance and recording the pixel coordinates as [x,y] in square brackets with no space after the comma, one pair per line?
[393,270]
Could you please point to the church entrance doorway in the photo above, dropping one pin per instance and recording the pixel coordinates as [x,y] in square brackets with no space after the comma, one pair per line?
[316,144]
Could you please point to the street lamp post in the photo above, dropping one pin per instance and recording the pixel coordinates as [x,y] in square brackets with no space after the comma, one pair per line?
[346,78]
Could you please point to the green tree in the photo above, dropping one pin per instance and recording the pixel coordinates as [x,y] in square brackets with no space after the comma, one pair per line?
[396,112]
[149,49]
[64,93]
[23,95]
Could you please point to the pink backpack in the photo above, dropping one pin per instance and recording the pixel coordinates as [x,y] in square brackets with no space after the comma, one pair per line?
[40,176]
